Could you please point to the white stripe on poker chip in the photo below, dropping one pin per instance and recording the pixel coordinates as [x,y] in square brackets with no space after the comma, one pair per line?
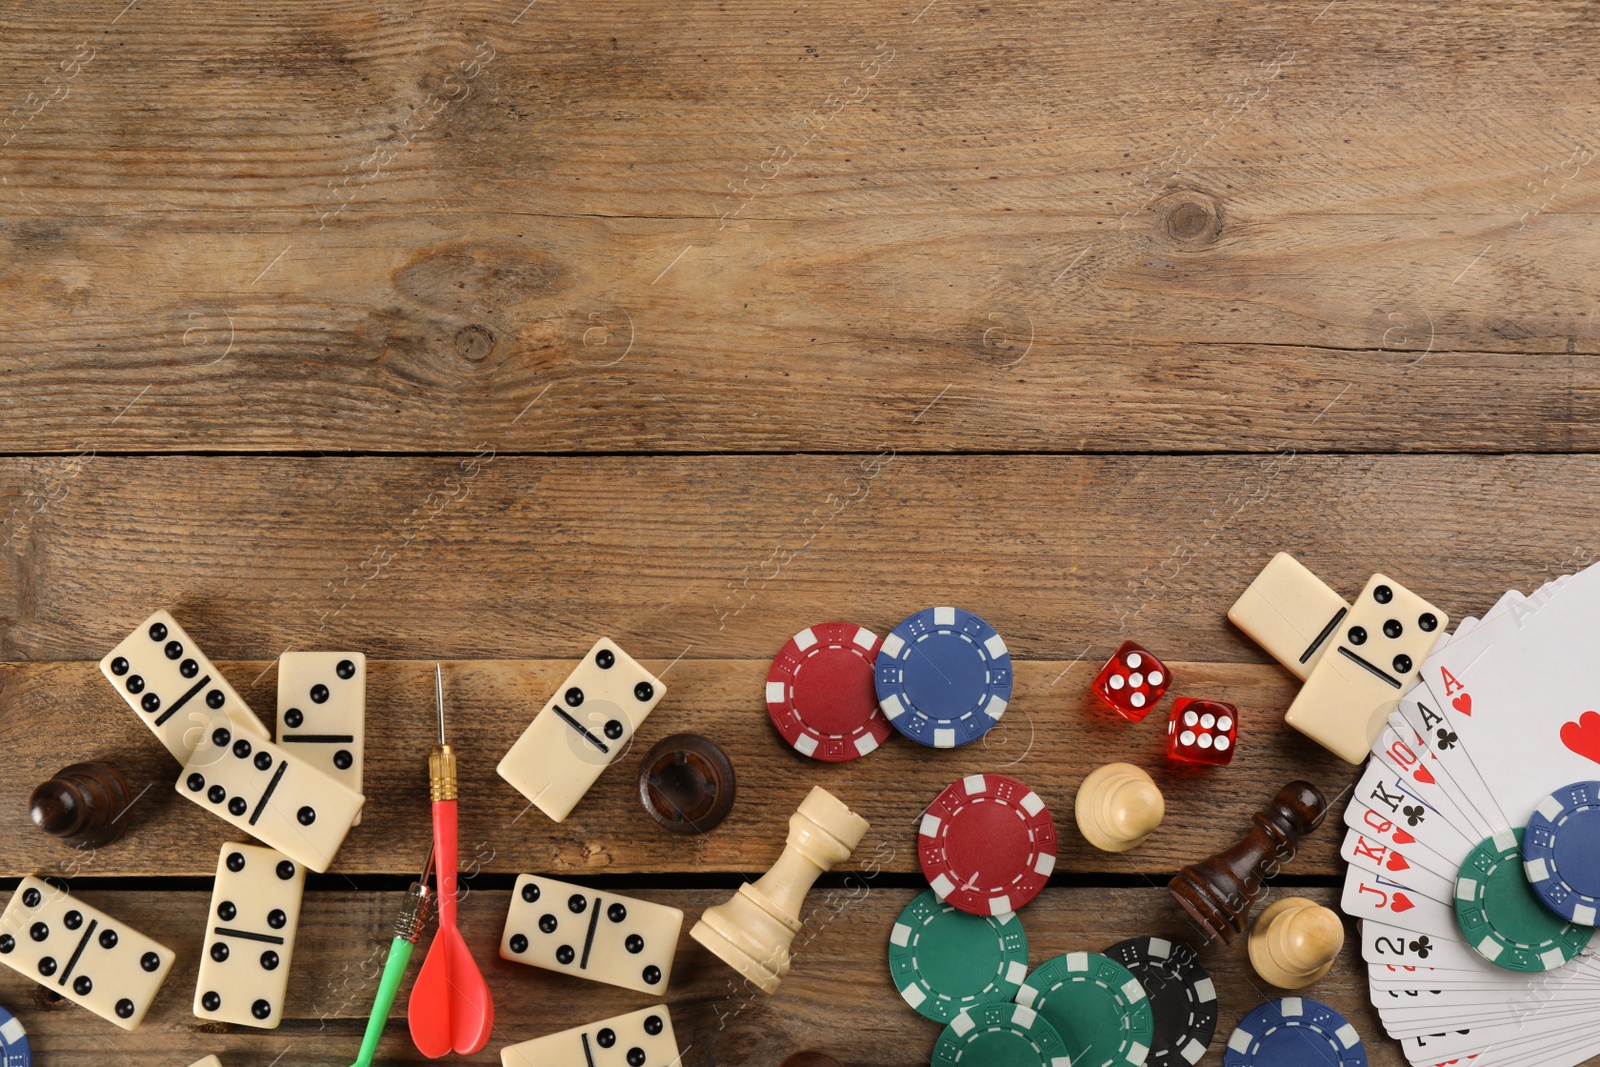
[914,995]
[1006,918]
[1060,1061]
[1132,990]
[1347,1036]
[1046,863]
[1077,961]
[805,639]
[1583,915]
[1466,888]
[866,743]
[1024,1017]
[1552,959]
[805,744]
[944,616]
[944,739]
[1204,991]
[900,935]
[891,706]
[1490,949]
[1537,870]
[12,1031]
[1000,905]
[892,645]
[943,886]
[1292,1006]
[776,692]
[962,1024]
[995,708]
[1027,995]
[1031,803]
[1192,1051]
[1016,972]
[930,825]
[975,784]
[1241,1040]
[1549,807]
[865,637]
[996,647]
[1506,841]
[1160,947]
[1137,1053]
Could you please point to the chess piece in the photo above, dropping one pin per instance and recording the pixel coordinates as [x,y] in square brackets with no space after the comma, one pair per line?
[687,784]
[1118,806]
[752,932]
[1218,892]
[811,1059]
[82,805]
[1294,942]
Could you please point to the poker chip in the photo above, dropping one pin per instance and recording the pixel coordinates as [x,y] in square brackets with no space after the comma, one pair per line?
[1501,915]
[1001,1035]
[987,844]
[1183,1002]
[1561,852]
[1096,1005]
[943,677]
[14,1051]
[821,696]
[1294,1032]
[945,961]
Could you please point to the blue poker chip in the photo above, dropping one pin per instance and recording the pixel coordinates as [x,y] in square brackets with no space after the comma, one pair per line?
[1561,852]
[944,677]
[14,1051]
[1294,1032]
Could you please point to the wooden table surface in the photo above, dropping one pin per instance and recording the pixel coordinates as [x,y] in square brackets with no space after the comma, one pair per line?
[472,331]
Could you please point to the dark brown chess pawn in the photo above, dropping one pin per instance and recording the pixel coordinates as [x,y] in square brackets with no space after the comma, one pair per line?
[82,805]
[687,784]
[1219,892]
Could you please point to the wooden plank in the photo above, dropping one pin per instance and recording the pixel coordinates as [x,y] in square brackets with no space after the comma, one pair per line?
[1051,739]
[725,558]
[372,233]
[838,998]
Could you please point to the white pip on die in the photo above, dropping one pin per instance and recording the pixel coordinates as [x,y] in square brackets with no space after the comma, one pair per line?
[605,937]
[169,682]
[322,712]
[1371,661]
[583,728]
[249,939]
[642,1038]
[264,791]
[82,953]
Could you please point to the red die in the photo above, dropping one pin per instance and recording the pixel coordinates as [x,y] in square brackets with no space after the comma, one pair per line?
[1202,731]
[1132,681]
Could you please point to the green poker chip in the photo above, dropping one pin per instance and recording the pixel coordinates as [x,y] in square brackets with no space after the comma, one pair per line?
[1096,1004]
[944,960]
[1502,917]
[1001,1035]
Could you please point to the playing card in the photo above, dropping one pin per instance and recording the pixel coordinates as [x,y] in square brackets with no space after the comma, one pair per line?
[1373,896]
[1376,857]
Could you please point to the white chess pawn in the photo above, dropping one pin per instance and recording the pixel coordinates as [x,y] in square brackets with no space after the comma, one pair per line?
[753,931]
[1294,942]
[1118,806]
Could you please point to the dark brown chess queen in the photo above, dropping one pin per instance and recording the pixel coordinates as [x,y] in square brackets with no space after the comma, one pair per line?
[1219,892]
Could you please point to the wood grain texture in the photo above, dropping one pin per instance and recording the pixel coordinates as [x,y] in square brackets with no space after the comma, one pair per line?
[693,228]
[720,1021]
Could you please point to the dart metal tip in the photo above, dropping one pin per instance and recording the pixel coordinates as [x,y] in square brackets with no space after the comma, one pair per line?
[438,688]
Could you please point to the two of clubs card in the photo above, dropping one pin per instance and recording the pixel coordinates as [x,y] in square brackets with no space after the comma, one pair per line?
[1472,838]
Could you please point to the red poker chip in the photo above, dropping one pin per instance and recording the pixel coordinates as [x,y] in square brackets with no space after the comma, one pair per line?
[821,693]
[987,844]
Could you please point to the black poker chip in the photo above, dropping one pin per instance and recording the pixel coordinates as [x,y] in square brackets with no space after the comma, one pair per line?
[1182,998]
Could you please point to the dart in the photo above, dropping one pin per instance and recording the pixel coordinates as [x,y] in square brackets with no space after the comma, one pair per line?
[451,1008]
[407,930]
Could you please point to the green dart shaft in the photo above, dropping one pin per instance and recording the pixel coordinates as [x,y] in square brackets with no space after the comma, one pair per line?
[407,930]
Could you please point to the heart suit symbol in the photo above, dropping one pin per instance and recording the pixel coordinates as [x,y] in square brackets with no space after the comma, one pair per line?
[1583,736]
[1424,776]
[1463,704]
[1399,902]
[1403,838]
[1397,862]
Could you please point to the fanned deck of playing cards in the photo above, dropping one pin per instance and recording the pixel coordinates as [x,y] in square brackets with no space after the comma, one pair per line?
[1473,839]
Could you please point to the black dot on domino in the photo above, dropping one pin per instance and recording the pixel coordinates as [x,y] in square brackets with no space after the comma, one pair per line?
[150,962]
[39,931]
[263,761]
[188,668]
[1402,664]
[1383,594]
[565,955]
[319,694]
[269,962]
[606,1037]
[345,669]
[47,966]
[124,1008]
[547,924]
[285,870]
[643,691]
[519,943]
[613,729]
[307,815]
[195,782]
[119,666]
[1357,635]
[174,650]
[72,920]
[1392,628]
[573,697]
[210,1001]
[220,737]
[151,703]
[7,944]
[605,659]
[261,1009]
[135,684]
[616,913]
[634,944]
[237,807]
[215,699]
[294,717]
[82,985]
[226,911]
[652,1025]
[236,862]
[1427,622]
[652,975]
[158,631]
[31,897]
[219,952]
[530,892]
[343,760]
[577,903]
[242,748]
[277,919]
[636,1057]
[216,794]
